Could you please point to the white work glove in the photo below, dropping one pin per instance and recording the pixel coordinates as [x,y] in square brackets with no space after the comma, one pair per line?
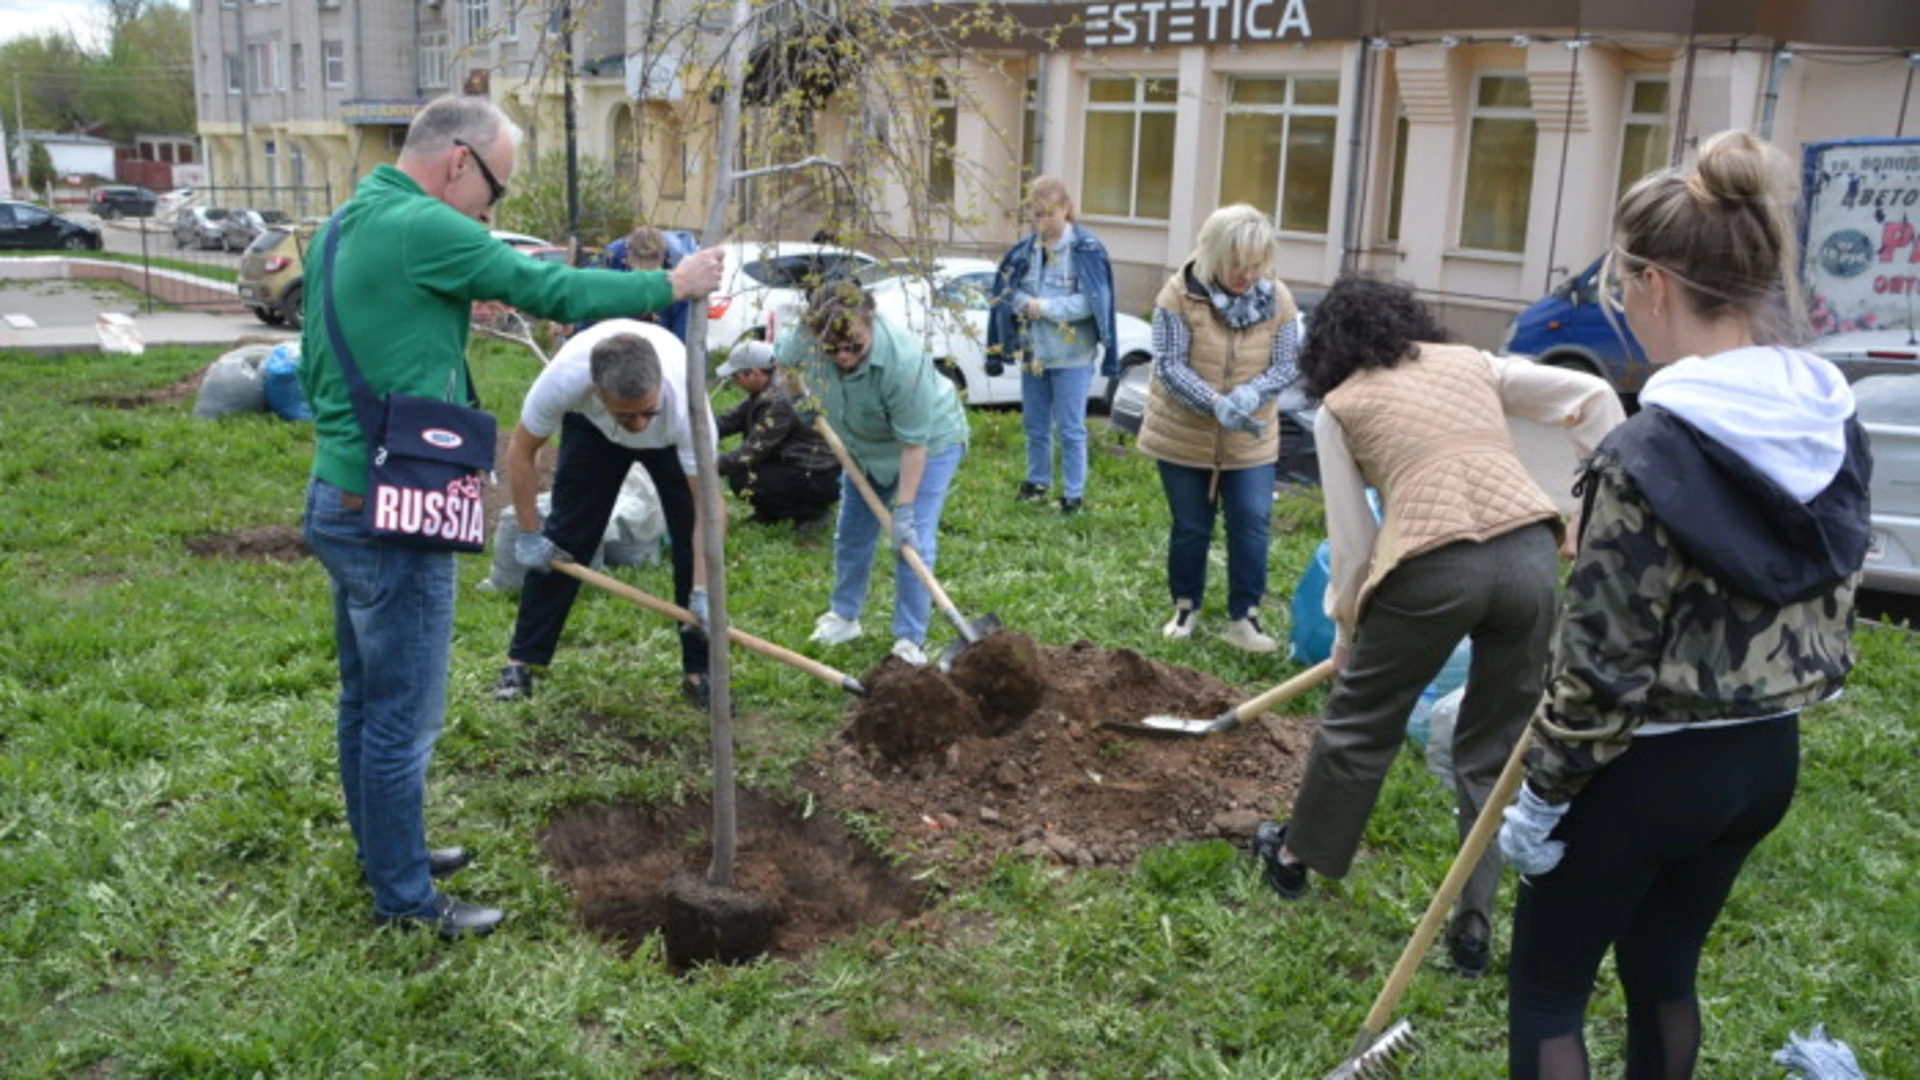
[697,604]
[1817,1057]
[535,552]
[1233,419]
[1245,399]
[903,529]
[1523,836]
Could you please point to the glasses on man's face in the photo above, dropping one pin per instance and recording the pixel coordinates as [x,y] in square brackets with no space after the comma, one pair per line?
[849,347]
[494,185]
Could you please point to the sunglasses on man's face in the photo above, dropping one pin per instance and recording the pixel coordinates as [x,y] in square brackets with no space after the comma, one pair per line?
[498,189]
[845,348]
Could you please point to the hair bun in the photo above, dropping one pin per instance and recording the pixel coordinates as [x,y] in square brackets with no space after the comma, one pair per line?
[1737,167]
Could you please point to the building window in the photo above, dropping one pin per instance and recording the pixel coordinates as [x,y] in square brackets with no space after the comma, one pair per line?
[1030,133]
[433,59]
[1278,151]
[297,59]
[1499,186]
[271,152]
[333,62]
[1397,189]
[673,173]
[1128,152]
[235,75]
[1644,136]
[263,67]
[943,128]
[476,20]
[510,22]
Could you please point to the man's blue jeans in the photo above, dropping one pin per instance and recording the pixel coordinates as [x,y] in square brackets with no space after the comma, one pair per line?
[859,533]
[1056,398]
[393,626]
[1247,497]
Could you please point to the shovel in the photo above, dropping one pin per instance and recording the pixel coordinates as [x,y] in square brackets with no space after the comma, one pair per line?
[1373,1051]
[970,632]
[1232,718]
[734,634]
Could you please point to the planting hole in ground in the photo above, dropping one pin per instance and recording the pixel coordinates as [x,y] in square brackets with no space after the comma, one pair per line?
[265,543]
[800,880]
[960,768]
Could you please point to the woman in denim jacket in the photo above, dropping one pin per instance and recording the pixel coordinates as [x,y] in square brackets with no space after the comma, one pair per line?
[1053,315]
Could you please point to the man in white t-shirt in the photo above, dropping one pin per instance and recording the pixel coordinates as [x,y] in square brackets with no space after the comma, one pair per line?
[617,393]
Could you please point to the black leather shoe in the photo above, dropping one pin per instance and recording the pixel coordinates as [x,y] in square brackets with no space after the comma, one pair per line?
[1069,507]
[451,919]
[1031,492]
[516,683]
[1469,955]
[1289,880]
[442,862]
[700,695]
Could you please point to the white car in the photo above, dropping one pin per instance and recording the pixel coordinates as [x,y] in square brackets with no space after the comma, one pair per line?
[1861,353]
[1889,409]
[170,202]
[763,287]
[946,305]
[519,239]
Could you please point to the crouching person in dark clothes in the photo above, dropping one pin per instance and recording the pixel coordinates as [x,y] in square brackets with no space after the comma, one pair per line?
[617,393]
[782,467]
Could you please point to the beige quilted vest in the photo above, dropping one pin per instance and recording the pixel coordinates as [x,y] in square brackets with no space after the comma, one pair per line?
[1224,358]
[1432,437]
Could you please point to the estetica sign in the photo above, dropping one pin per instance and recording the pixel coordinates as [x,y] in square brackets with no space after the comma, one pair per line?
[1194,22]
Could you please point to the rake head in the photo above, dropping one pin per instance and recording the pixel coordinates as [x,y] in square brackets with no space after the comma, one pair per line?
[1380,1058]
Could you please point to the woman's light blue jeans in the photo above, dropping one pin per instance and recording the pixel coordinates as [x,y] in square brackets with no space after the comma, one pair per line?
[859,533]
[1247,497]
[1056,399]
[393,626]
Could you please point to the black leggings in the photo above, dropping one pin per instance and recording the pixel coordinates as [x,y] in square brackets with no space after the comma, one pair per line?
[1654,844]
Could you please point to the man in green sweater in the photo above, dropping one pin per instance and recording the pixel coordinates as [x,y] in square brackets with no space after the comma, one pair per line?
[414,254]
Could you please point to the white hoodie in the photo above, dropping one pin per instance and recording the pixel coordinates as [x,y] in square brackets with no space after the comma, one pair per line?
[1781,409]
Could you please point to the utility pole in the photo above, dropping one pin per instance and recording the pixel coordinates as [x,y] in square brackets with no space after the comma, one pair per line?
[19,128]
[573,147]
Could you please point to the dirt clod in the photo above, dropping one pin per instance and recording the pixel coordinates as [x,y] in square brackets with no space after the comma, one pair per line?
[265,543]
[910,713]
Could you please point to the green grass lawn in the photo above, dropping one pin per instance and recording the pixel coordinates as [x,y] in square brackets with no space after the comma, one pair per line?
[178,896]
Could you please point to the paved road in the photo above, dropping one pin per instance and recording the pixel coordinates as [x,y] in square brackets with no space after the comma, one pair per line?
[124,236]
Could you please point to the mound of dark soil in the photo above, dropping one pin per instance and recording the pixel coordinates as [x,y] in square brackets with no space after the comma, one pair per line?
[938,761]
[266,543]
[800,879]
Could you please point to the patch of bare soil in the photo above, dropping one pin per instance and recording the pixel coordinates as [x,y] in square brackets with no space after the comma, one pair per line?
[266,543]
[800,879]
[962,768]
[186,389]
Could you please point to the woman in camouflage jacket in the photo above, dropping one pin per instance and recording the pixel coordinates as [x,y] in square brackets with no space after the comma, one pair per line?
[1712,599]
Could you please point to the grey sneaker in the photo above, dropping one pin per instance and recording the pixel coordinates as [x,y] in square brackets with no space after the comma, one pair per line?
[516,683]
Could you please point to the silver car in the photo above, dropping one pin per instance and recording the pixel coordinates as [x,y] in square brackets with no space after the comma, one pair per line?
[1889,409]
[198,226]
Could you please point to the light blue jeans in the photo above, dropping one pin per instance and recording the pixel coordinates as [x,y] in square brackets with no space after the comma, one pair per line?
[1056,398]
[859,533]
[393,626]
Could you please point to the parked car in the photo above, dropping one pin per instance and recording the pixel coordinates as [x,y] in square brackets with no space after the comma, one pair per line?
[26,227]
[271,273]
[519,239]
[1861,354]
[764,286]
[1569,328]
[119,200]
[198,226]
[242,227]
[171,201]
[1889,409]
[946,303]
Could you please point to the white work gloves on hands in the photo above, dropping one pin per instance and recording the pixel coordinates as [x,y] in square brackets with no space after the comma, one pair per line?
[1233,418]
[697,604]
[903,529]
[1523,836]
[535,552]
[1245,399]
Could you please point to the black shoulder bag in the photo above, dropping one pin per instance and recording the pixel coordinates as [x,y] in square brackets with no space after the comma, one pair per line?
[427,459]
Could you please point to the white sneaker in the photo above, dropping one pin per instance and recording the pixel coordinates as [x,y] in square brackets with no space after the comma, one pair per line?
[1185,618]
[911,653]
[831,629]
[1246,634]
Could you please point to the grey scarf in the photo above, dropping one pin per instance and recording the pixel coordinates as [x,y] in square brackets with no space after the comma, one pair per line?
[1239,312]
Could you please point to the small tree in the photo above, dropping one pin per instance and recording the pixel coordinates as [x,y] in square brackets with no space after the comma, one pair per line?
[39,166]
[538,201]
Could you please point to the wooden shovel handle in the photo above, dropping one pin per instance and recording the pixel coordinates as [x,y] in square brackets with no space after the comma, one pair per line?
[1463,866]
[910,553]
[1286,691]
[734,634]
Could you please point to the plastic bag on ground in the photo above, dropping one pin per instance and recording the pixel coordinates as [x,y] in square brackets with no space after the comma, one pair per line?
[632,537]
[281,374]
[119,334]
[1440,724]
[234,384]
[1453,674]
[1310,639]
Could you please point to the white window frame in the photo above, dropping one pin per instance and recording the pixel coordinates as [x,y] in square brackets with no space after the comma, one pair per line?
[943,101]
[263,68]
[474,18]
[270,154]
[297,61]
[236,73]
[1138,107]
[510,20]
[1286,111]
[434,53]
[333,54]
[1628,118]
[1477,111]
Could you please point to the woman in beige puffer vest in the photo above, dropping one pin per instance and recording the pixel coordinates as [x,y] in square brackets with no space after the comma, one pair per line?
[1224,336]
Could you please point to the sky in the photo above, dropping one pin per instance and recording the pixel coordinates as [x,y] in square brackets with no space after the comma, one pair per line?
[22,18]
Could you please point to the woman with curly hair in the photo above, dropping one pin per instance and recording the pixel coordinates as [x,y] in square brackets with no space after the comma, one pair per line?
[1465,548]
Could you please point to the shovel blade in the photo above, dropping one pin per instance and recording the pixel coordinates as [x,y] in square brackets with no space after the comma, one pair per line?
[1174,725]
[976,630]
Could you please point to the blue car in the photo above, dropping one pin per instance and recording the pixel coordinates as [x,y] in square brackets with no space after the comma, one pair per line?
[1567,328]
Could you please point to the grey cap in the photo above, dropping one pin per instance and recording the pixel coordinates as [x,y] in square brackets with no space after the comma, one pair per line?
[751,355]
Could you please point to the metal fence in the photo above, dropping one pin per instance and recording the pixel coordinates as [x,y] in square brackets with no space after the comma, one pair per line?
[193,251]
